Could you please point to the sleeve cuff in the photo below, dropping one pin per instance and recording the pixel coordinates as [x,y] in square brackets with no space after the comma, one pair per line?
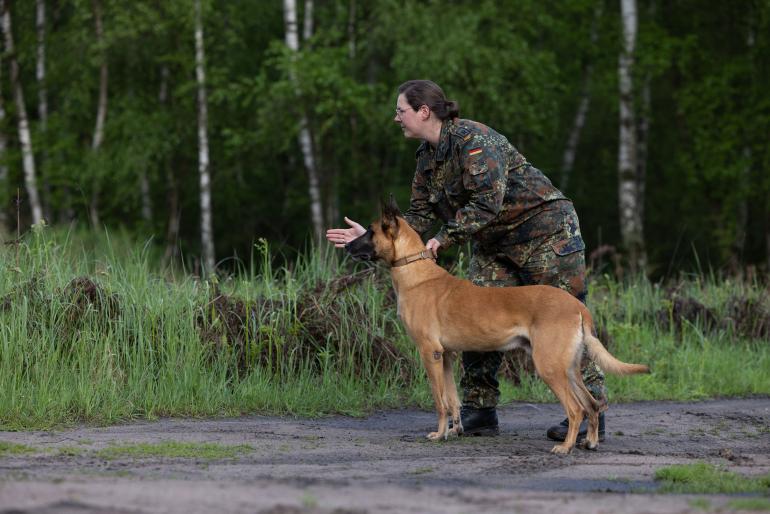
[443,238]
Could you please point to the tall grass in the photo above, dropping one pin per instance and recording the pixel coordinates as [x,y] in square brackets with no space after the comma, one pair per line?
[93,330]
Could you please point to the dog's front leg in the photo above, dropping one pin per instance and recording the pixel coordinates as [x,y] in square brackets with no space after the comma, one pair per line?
[450,393]
[433,360]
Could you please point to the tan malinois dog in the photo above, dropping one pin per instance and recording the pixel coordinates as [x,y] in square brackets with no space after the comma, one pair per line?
[444,314]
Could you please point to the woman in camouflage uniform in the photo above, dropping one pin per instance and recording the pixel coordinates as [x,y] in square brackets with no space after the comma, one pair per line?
[521,228]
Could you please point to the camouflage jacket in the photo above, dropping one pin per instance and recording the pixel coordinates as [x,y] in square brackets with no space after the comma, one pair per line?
[477,184]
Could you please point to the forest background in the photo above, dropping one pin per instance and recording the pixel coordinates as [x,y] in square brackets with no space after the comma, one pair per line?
[206,125]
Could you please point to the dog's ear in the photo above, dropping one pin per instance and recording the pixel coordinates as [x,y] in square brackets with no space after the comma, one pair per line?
[390,212]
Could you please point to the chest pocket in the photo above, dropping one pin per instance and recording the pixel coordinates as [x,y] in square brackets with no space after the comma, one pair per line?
[454,185]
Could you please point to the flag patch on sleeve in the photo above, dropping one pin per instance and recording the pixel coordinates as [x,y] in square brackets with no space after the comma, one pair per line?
[475,151]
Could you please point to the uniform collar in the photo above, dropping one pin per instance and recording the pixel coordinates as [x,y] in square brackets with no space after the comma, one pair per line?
[443,141]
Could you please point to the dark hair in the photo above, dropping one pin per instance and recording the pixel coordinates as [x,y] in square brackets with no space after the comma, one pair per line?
[426,92]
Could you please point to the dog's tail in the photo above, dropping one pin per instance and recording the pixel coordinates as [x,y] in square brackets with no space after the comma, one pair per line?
[605,359]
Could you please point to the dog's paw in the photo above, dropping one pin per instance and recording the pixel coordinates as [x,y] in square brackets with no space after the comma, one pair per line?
[437,436]
[560,449]
[589,446]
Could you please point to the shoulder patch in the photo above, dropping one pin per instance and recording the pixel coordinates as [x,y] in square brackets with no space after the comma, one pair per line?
[464,133]
[474,151]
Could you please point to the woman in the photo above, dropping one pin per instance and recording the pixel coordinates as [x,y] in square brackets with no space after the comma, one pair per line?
[521,228]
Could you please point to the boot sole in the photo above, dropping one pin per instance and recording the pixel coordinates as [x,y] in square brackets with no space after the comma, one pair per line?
[580,437]
[482,432]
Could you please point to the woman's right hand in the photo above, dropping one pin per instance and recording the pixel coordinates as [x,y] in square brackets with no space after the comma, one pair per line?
[342,236]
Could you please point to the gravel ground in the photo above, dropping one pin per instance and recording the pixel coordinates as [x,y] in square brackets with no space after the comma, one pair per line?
[383,463]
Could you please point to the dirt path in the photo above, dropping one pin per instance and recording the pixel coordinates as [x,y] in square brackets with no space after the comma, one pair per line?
[383,464]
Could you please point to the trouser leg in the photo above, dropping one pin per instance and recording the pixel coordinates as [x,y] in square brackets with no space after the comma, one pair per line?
[479,383]
[558,260]
[479,379]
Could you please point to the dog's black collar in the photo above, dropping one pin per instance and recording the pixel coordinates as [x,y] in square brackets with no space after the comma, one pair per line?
[403,261]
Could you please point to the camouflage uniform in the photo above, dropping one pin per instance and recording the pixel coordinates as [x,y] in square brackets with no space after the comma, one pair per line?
[522,229]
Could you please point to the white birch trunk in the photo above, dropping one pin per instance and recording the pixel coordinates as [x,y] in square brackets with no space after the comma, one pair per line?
[305,138]
[207,233]
[628,194]
[25,138]
[101,112]
[42,102]
[307,26]
[578,123]
[42,92]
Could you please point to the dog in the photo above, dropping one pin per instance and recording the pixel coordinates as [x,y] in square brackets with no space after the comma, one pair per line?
[444,314]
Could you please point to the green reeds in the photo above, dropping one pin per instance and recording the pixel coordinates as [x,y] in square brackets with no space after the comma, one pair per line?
[92,329]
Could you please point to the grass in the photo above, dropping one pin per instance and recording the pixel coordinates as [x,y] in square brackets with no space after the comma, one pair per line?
[706,478]
[174,449]
[93,330]
[752,504]
[7,448]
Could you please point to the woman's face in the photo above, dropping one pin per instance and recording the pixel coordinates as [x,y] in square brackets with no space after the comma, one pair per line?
[407,117]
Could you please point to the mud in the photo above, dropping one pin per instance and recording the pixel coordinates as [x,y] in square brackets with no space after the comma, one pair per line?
[383,463]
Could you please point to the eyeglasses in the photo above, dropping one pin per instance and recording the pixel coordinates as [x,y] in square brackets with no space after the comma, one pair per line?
[400,112]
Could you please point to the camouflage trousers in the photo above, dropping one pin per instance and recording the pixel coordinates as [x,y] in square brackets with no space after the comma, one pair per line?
[553,257]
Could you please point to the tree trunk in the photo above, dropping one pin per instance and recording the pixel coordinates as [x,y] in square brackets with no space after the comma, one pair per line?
[631,228]
[101,111]
[767,240]
[25,138]
[4,189]
[144,188]
[172,229]
[307,27]
[207,233]
[352,31]
[305,138]
[570,150]
[42,103]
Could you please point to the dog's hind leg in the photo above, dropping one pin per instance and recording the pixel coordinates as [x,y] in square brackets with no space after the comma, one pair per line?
[450,393]
[592,437]
[573,409]
[432,356]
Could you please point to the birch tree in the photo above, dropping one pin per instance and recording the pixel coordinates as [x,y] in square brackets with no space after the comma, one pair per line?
[25,137]
[101,108]
[631,228]
[207,233]
[305,137]
[42,100]
[570,150]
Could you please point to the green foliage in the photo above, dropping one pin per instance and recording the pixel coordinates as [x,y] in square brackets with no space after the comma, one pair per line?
[517,66]
[94,331]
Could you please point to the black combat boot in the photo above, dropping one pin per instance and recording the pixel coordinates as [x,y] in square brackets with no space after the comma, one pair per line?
[482,421]
[559,432]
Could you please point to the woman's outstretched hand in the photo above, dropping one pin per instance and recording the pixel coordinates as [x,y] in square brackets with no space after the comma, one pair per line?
[342,236]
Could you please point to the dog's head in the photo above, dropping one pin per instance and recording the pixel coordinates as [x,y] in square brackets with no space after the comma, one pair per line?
[379,241]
